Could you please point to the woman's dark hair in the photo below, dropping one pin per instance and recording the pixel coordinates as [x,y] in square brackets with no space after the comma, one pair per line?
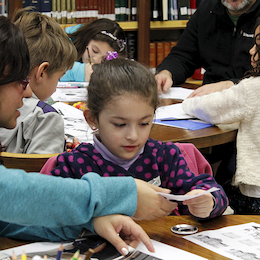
[256,70]
[14,54]
[117,77]
[92,31]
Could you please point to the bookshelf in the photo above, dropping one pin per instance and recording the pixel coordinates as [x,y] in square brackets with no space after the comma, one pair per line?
[143,25]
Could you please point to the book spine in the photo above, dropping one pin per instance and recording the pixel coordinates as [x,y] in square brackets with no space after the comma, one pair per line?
[167,48]
[131,38]
[63,11]
[175,10]
[152,57]
[170,10]
[133,10]
[160,10]
[59,11]
[54,10]
[111,11]
[73,11]
[91,11]
[154,11]
[45,7]
[160,52]
[117,10]
[184,9]
[95,10]
[83,4]
[78,11]
[193,6]
[69,14]
[164,10]
[123,10]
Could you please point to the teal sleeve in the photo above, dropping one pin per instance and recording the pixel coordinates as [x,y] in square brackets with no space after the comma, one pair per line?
[77,73]
[37,233]
[49,201]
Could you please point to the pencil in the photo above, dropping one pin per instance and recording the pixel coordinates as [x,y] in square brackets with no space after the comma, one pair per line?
[23,256]
[88,55]
[177,119]
[14,257]
[76,255]
[58,257]
[89,253]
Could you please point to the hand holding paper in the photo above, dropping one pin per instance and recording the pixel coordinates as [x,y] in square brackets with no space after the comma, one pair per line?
[185,197]
[198,206]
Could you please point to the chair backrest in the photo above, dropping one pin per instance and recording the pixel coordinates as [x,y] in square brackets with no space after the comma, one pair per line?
[27,162]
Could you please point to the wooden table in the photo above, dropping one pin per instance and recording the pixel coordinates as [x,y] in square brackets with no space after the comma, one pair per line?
[160,230]
[202,138]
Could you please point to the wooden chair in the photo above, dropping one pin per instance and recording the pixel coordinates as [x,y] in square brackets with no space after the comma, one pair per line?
[27,162]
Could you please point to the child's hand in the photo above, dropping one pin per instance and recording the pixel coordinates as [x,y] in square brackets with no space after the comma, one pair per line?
[72,145]
[88,71]
[201,206]
[151,205]
[110,226]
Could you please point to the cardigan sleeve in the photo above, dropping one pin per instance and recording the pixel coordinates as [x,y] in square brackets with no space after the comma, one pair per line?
[226,107]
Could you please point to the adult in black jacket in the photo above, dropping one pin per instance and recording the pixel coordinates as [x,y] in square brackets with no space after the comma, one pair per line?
[217,38]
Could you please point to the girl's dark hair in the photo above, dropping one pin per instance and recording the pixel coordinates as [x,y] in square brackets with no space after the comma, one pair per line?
[93,30]
[256,70]
[14,54]
[117,77]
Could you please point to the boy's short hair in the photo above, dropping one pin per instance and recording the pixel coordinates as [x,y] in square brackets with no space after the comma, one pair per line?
[46,40]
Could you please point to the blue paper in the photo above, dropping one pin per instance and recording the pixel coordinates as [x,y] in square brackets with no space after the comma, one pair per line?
[187,124]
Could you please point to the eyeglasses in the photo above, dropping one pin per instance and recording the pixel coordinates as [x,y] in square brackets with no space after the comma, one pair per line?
[257,40]
[24,83]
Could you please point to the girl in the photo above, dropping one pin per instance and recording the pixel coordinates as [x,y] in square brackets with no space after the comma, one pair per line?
[50,208]
[240,103]
[92,42]
[122,98]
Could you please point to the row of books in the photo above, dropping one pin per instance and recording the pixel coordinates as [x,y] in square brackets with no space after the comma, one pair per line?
[168,10]
[85,11]
[158,51]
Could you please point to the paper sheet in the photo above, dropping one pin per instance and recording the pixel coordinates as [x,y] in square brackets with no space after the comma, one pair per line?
[74,123]
[177,93]
[235,242]
[70,94]
[185,197]
[176,111]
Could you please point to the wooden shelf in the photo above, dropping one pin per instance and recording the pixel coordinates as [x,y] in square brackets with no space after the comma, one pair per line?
[158,25]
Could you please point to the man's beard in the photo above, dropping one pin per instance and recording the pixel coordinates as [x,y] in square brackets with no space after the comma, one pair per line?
[243,5]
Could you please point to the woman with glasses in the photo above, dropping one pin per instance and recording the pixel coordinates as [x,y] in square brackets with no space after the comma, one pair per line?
[240,103]
[38,207]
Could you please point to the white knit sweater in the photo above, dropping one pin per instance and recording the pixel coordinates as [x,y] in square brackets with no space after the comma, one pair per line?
[240,103]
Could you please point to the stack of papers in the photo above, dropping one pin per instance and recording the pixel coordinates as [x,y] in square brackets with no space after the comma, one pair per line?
[176,111]
[74,123]
[70,92]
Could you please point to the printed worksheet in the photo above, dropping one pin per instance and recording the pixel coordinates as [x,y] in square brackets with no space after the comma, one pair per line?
[235,242]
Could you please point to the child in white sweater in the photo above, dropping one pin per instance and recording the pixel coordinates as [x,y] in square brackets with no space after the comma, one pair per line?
[239,103]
